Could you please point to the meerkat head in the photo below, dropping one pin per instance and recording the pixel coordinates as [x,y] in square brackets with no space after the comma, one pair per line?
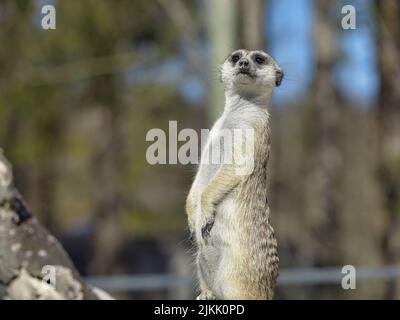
[251,72]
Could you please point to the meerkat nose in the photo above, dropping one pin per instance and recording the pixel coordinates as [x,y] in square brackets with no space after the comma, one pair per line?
[243,62]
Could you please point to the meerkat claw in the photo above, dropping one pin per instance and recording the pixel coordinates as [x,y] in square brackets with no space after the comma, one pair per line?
[206,229]
[206,295]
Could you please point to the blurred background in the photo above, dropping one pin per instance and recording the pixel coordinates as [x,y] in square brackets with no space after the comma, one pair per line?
[76,104]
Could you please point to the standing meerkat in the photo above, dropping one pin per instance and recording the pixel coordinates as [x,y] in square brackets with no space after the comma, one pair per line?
[227,207]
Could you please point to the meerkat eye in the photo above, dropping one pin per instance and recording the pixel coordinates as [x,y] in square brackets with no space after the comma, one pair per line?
[259,59]
[235,58]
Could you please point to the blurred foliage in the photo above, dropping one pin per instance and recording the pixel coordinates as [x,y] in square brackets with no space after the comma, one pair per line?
[61,100]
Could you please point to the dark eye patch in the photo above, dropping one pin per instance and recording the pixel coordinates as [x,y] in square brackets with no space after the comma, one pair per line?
[259,59]
[236,57]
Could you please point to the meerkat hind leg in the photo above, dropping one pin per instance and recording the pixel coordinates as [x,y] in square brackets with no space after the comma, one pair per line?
[205,292]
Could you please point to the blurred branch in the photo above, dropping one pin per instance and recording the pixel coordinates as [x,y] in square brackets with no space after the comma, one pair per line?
[29,253]
[29,76]
[185,24]
[287,277]
[387,16]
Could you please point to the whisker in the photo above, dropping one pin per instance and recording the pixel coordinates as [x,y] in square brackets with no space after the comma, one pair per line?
[290,79]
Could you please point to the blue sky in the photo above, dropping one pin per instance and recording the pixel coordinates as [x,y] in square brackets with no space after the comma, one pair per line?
[289,29]
[289,32]
[357,75]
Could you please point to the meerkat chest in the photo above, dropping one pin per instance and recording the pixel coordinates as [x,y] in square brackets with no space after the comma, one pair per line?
[212,155]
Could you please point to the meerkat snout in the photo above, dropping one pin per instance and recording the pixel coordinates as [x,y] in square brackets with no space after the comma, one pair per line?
[243,64]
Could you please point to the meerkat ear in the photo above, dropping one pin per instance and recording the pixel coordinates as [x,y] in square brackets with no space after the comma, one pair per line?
[278,77]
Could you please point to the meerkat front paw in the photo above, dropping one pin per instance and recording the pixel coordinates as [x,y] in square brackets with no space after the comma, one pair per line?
[206,295]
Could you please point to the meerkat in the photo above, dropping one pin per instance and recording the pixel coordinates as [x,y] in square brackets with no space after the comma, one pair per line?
[228,212]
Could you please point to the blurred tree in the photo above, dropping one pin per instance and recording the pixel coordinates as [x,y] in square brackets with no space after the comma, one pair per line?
[325,155]
[222,33]
[306,163]
[388,115]
[252,24]
[73,123]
